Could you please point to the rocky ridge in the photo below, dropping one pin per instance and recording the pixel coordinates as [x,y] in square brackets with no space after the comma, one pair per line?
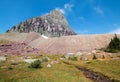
[51,25]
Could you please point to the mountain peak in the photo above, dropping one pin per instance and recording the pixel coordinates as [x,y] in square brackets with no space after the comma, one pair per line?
[56,13]
[52,24]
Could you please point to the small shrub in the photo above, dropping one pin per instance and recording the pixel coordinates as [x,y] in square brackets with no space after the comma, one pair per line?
[111,50]
[73,58]
[94,57]
[14,63]
[10,67]
[63,56]
[87,62]
[45,59]
[103,49]
[35,64]
[103,57]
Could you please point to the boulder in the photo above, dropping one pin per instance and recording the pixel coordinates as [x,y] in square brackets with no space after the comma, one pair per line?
[87,62]
[2,58]
[49,65]
[78,54]
[69,55]
[54,62]
[29,60]
[3,67]
[45,59]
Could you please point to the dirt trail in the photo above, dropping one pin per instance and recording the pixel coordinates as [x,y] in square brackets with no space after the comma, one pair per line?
[94,76]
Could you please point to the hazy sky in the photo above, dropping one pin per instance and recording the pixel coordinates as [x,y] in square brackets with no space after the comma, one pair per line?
[84,16]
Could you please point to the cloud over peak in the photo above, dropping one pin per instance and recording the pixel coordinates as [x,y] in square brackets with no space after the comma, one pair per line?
[66,8]
[60,9]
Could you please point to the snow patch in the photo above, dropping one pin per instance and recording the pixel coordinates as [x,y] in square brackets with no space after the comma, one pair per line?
[45,37]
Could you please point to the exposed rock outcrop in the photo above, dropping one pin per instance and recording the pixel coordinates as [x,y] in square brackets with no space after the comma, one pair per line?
[16,48]
[53,24]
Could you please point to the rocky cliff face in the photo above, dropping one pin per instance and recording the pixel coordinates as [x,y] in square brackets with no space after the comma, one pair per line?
[51,25]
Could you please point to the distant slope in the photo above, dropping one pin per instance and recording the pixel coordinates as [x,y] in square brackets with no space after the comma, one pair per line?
[20,37]
[61,45]
[17,43]
[13,36]
[68,44]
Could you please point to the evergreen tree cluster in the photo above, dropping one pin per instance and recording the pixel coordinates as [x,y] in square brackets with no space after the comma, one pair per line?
[114,44]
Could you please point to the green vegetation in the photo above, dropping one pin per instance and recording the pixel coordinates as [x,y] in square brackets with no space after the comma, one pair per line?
[73,58]
[2,41]
[14,63]
[57,73]
[94,57]
[103,57]
[45,59]
[114,45]
[110,68]
[35,64]
[10,67]
[61,72]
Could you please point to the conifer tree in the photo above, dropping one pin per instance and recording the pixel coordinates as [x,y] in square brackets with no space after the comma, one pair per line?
[114,44]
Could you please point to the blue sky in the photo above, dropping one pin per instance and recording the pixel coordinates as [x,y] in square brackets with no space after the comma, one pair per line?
[84,16]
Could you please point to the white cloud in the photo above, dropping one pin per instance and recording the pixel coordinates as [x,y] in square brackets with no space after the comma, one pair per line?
[66,8]
[99,10]
[61,10]
[116,31]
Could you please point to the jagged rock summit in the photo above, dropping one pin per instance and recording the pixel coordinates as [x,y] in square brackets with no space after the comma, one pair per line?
[51,25]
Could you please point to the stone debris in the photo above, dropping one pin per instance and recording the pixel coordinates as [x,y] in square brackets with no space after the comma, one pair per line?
[2,58]
[69,55]
[54,62]
[49,65]
[78,54]
[62,58]
[87,62]
[16,48]
[3,67]
[29,60]
[94,51]
[12,61]
[84,58]
[47,58]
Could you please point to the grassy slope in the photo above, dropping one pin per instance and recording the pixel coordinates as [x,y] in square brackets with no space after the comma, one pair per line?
[57,73]
[110,68]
